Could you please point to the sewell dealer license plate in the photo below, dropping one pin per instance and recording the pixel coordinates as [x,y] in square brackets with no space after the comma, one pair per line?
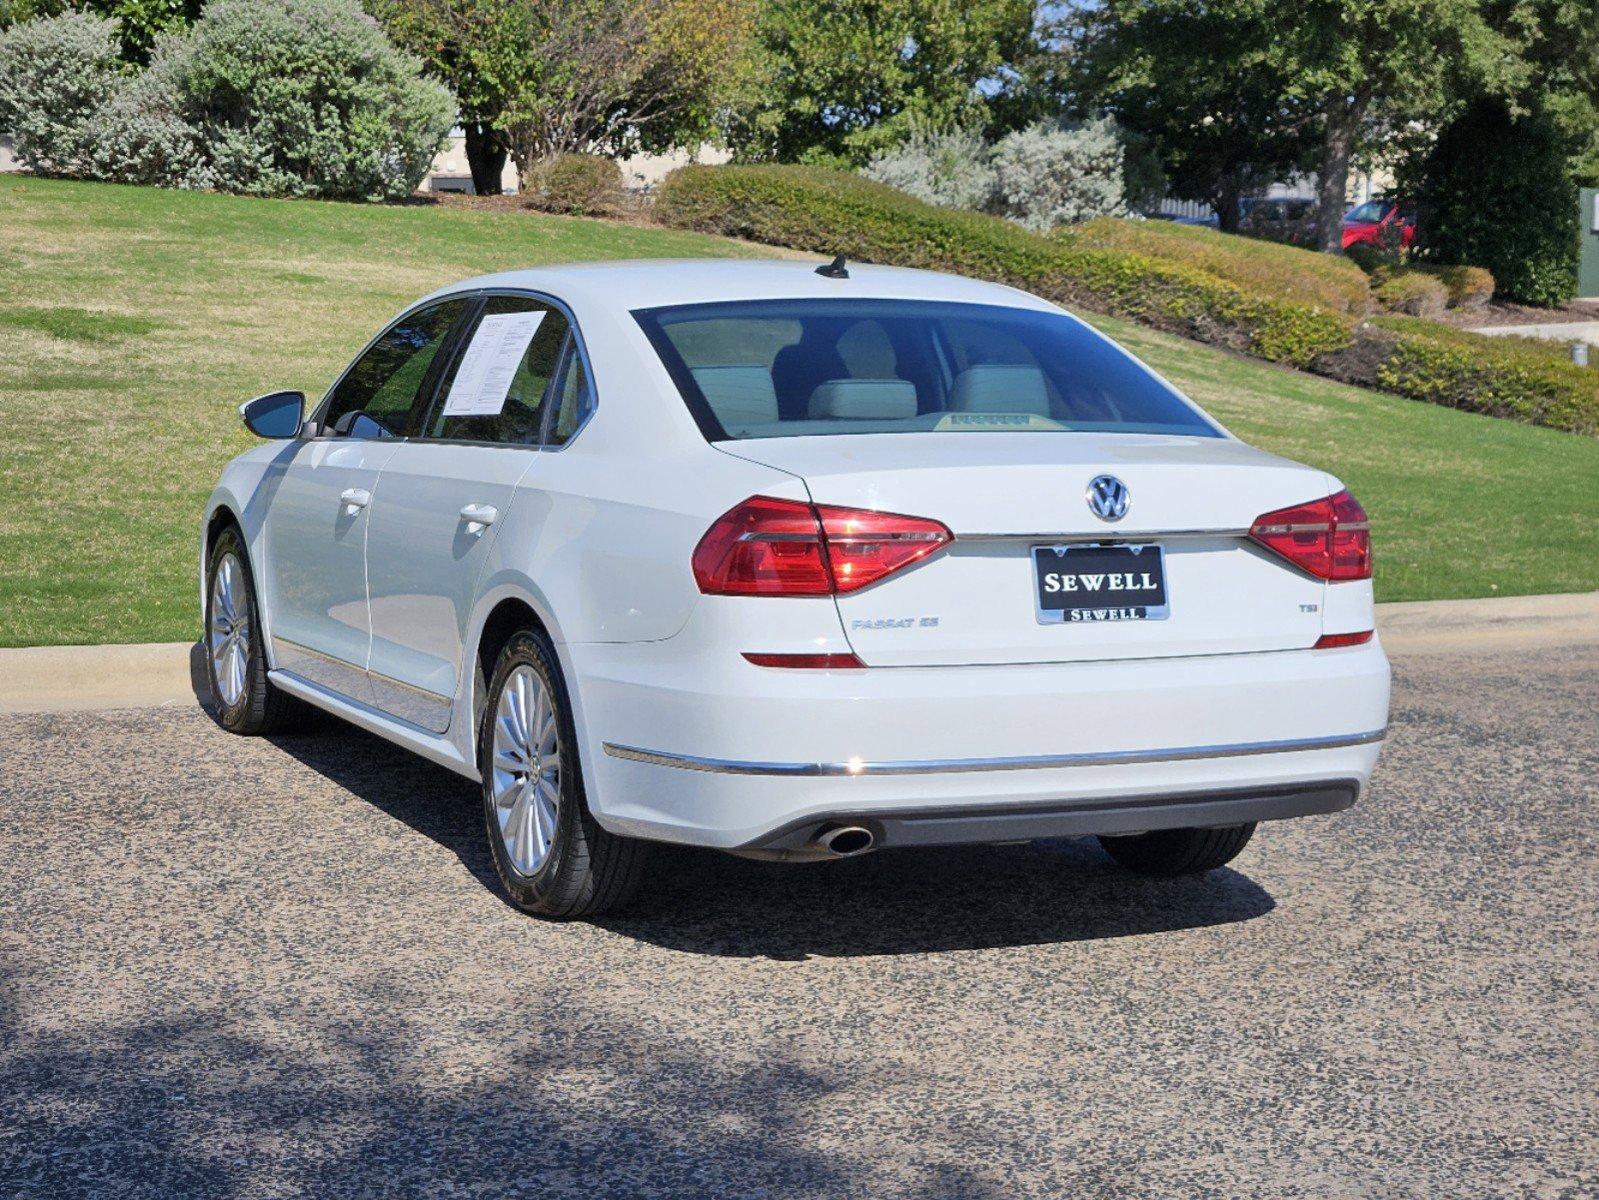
[1100,583]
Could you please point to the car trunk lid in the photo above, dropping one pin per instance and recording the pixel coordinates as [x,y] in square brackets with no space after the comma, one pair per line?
[1005,496]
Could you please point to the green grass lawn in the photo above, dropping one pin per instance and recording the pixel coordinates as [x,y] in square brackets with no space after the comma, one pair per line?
[135,321]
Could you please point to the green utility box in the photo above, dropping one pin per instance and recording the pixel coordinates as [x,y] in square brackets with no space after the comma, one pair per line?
[1588,263]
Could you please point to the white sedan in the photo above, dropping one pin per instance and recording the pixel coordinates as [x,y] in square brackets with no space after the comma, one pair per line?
[795,563]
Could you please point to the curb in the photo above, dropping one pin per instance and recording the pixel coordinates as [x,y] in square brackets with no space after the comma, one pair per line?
[75,678]
[72,678]
[1496,623]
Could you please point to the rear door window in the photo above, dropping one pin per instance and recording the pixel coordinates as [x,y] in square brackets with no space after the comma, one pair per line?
[498,386]
[574,395]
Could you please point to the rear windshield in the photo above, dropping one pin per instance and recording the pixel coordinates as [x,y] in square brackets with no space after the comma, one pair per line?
[799,368]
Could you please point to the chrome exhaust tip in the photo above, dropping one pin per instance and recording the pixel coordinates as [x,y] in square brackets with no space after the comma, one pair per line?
[845,841]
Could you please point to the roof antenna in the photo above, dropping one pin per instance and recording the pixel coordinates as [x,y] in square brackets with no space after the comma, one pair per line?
[834,269]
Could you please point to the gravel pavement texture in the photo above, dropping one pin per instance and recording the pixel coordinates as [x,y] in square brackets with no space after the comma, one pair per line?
[247,968]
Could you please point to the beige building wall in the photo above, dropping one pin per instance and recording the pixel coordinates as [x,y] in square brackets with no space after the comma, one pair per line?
[641,172]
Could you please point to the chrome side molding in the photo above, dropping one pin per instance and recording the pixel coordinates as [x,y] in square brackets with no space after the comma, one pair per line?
[952,766]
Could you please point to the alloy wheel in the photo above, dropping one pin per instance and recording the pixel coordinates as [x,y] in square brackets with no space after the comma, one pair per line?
[228,637]
[526,770]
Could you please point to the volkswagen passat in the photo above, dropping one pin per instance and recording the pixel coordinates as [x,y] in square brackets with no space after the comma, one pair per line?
[794,563]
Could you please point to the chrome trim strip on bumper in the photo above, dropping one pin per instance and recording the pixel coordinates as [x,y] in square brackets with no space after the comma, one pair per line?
[952,766]
[1106,535]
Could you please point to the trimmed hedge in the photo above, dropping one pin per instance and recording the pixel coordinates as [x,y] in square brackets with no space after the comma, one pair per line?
[1520,378]
[830,212]
[1287,272]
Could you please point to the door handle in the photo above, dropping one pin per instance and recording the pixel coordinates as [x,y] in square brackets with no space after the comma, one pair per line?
[480,514]
[355,497]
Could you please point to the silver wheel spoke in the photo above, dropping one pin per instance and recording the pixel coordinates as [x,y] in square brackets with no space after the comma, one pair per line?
[535,818]
[505,787]
[516,828]
[548,800]
[535,722]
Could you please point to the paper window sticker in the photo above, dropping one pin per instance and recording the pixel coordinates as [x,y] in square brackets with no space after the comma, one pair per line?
[483,380]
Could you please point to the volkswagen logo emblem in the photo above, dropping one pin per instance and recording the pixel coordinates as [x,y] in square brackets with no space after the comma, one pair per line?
[1107,498]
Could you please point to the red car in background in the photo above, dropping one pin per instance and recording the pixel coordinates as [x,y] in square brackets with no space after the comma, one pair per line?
[1366,224]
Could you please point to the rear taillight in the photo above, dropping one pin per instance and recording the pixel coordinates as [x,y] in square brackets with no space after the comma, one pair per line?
[1330,538]
[769,547]
[865,546]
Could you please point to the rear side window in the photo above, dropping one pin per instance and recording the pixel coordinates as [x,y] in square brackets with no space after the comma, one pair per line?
[573,396]
[381,394]
[498,386]
[797,368]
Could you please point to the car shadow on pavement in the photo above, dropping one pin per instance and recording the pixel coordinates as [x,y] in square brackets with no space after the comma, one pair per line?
[889,902]
[914,901]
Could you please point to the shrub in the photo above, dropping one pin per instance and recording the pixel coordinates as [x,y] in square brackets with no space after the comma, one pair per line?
[55,74]
[1288,272]
[300,98]
[1514,377]
[1468,287]
[1050,174]
[1367,257]
[1496,191]
[270,97]
[954,169]
[140,137]
[830,212]
[1465,287]
[580,184]
[1414,292]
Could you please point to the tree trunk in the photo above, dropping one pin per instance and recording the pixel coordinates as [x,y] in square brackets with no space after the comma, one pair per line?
[1332,178]
[1226,205]
[485,156]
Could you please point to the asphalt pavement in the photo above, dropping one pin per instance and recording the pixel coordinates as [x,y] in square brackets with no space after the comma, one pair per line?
[248,968]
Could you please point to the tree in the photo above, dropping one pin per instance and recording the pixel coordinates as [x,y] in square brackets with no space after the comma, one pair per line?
[536,79]
[836,79]
[1559,41]
[1360,69]
[624,75]
[473,46]
[1199,83]
[1497,192]
[138,22]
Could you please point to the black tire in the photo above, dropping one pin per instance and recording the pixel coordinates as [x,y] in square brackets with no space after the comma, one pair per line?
[587,871]
[1169,852]
[261,708]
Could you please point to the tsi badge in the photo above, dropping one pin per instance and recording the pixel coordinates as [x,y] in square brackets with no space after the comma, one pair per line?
[1107,498]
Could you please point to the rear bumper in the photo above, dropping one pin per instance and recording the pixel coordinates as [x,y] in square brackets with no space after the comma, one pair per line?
[694,745]
[1000,823]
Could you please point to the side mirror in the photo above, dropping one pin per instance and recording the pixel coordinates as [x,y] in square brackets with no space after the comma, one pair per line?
[275,415]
